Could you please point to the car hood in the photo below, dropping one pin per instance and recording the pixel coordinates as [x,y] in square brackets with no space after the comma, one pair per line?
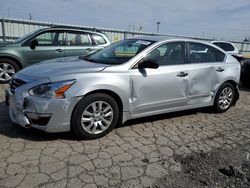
[62,66]
[3,44]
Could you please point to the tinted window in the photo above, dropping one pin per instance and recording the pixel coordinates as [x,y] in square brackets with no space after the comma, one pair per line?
[168,54]
[224,46]
[201,53]
[50,38]
[98,39]
[78,39]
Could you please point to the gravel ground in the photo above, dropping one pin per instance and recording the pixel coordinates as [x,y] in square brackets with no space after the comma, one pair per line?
[219,168]
[194,148]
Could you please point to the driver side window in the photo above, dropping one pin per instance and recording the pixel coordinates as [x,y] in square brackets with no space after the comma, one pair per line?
[168,54]
[51,38]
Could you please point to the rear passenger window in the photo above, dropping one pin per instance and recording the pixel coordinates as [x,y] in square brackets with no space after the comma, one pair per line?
[78,39]
[225,46]
[201,53]
[98,40]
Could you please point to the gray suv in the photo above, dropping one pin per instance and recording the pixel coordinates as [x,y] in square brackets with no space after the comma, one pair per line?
[47,44]
[129,79]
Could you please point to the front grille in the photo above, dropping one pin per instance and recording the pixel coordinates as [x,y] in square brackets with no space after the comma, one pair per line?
[15,83]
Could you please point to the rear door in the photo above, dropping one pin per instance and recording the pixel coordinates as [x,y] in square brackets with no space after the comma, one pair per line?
[206,69]
[79,43]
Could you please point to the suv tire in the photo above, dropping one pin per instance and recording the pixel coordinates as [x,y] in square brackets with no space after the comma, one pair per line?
[7,70]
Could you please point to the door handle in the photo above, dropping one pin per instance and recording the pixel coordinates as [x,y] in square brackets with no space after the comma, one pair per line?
[182,74]
[59,50]
[89,49]
[219,69]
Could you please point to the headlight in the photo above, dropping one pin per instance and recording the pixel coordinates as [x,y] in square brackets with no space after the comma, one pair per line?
[51,90]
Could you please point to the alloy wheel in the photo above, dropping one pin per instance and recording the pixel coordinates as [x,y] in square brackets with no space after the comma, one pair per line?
[97,117]
[6,71]
[225,98]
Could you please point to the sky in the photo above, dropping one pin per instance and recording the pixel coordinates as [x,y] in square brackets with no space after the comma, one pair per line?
[218,19]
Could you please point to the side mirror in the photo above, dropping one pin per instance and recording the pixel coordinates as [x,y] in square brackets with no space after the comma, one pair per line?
[150,64]
[33,44]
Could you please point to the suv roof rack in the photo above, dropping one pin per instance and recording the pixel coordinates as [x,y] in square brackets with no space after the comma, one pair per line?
[75,27]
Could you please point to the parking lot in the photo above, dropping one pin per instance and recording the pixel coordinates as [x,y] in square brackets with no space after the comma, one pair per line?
[140,153]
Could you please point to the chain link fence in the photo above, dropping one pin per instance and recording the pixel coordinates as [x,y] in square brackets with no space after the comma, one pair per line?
[12,29]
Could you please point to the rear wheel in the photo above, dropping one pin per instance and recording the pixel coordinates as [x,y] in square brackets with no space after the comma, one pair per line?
[224,97]
[94,116]
[7,70]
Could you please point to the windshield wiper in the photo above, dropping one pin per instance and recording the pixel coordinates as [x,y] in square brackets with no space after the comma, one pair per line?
[91,60]
[88,59]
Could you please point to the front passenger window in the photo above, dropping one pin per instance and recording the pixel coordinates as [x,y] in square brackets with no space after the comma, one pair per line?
[50,38]
[168,54]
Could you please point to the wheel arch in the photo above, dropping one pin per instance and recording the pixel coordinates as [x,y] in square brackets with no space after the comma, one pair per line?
[114,95]
[237,93]
[19,64]
[235,85]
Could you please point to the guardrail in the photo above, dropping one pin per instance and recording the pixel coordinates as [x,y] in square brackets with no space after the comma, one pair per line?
[12,29]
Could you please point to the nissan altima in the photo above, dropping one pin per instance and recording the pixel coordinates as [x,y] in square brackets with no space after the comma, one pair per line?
[132,78]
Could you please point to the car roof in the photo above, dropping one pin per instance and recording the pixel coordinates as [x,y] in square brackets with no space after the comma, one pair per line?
[166,38]
[175,39]
[220,41]
[70,29]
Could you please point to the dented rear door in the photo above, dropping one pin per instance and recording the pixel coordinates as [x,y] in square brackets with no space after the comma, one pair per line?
[206,72]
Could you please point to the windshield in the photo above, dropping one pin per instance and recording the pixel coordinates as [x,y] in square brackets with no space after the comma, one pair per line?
[119,52]
[24,37]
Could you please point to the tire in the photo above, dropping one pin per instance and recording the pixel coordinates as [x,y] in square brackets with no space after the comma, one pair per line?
[87,115]
[8,68]
[224,98]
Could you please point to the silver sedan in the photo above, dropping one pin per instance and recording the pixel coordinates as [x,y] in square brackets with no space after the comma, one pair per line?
[129,79]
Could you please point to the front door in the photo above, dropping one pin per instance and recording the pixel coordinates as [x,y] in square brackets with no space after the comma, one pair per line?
[157,90]
[50,46]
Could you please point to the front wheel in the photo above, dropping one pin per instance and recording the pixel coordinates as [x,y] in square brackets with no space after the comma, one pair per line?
[224,98]
[94,116]
[7,70]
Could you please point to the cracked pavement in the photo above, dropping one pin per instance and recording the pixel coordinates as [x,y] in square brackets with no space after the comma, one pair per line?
[135,154]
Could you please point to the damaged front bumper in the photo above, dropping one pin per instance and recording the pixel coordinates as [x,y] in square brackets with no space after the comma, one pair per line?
[49,115]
